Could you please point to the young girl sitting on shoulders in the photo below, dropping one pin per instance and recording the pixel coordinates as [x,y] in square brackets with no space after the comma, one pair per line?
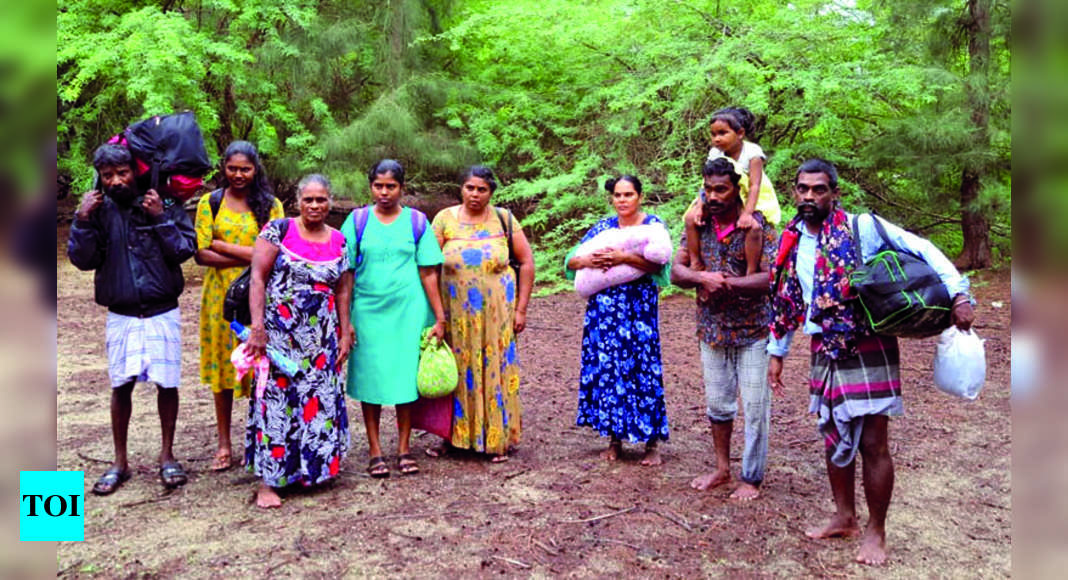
[729,127]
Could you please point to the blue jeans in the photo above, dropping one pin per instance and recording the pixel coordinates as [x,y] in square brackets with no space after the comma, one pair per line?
[728,370]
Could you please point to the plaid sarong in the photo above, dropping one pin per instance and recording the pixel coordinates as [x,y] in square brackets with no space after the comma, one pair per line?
[145,349]
[843,391]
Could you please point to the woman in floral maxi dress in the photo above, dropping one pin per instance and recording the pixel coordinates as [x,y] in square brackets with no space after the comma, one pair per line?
[486,306]
[621,386]
[298,429]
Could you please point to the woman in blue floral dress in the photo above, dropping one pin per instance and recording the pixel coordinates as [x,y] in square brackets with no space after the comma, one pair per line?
[298,427]
[621,388]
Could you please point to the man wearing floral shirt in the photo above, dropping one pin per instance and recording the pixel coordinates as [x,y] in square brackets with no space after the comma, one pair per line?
[855,383]
[733,312]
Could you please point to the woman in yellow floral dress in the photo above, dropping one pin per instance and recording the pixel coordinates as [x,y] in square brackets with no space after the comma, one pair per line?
[486,307]
[225,236]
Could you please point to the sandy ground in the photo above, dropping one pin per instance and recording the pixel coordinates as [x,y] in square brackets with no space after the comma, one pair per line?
[555,509]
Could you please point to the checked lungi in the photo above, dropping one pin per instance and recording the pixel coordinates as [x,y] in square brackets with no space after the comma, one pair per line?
[145,349]
[843,391]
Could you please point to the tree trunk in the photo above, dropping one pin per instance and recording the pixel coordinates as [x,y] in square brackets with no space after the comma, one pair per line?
[974,226]
[225,134]
[976,230]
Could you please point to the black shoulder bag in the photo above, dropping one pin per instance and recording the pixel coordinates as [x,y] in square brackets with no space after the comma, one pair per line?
[235,303]
[899,293]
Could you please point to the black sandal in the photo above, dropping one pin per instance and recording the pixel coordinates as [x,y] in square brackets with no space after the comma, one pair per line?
[406,464]
[110,481]
[172,475]
[377,467]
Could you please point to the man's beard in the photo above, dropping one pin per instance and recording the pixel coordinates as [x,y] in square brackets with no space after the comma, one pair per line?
[716,208]
[122,194]
[811,213]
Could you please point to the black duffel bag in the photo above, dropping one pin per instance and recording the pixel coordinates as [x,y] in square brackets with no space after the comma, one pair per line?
[170,149]
[899,293]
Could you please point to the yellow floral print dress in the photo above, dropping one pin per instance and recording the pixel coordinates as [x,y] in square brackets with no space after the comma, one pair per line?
[216,339]
[479,292]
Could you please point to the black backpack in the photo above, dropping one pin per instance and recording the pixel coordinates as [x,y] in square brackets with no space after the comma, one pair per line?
[899,293]
[170,154]
[235,303]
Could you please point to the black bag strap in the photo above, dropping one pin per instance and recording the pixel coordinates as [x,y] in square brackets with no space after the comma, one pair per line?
[215,201]
[505,217]
[880,229]
[882,233]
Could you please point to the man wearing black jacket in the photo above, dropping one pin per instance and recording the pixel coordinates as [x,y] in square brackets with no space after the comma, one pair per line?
[136,244]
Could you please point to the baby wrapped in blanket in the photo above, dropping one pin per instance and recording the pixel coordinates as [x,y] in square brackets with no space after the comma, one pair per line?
[649,240]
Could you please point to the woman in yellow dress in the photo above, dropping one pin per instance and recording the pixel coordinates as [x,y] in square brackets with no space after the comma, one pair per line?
[486,307]
[227,223]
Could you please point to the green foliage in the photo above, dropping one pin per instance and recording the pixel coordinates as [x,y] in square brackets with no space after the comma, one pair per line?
[309,83]
[561,94]
[25,115]
[558,95]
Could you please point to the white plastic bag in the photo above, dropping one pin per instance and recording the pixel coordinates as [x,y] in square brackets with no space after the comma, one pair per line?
[960,363]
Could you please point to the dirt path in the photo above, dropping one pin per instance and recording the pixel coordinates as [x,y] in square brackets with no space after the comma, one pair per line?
[555,509]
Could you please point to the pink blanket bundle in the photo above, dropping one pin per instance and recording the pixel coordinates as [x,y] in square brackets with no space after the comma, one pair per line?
[244,363]
[651,241]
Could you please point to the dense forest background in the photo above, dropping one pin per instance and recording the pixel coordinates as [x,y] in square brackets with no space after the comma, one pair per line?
[910,98]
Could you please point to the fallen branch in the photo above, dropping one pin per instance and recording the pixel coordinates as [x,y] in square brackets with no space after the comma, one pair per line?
[409,516]
[64,571]
[672,518]
[147,501]
[540,327]
[621,543]
[516,474]
[515,563]
[994,505]
[547,549]
[981,538]
[93,459]
[601,517]
[280,564]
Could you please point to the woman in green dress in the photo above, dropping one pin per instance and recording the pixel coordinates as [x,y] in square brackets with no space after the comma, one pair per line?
[395,296]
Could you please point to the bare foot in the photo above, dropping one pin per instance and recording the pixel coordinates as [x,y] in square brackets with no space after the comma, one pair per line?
[838,527]
[872,549]
[711,480]
[439,450]
[267,497]
[499,458]
[613,451]
[651,457]
[745,492]
[223,460]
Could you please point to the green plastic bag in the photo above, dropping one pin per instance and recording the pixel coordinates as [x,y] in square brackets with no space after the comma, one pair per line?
[437,376]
